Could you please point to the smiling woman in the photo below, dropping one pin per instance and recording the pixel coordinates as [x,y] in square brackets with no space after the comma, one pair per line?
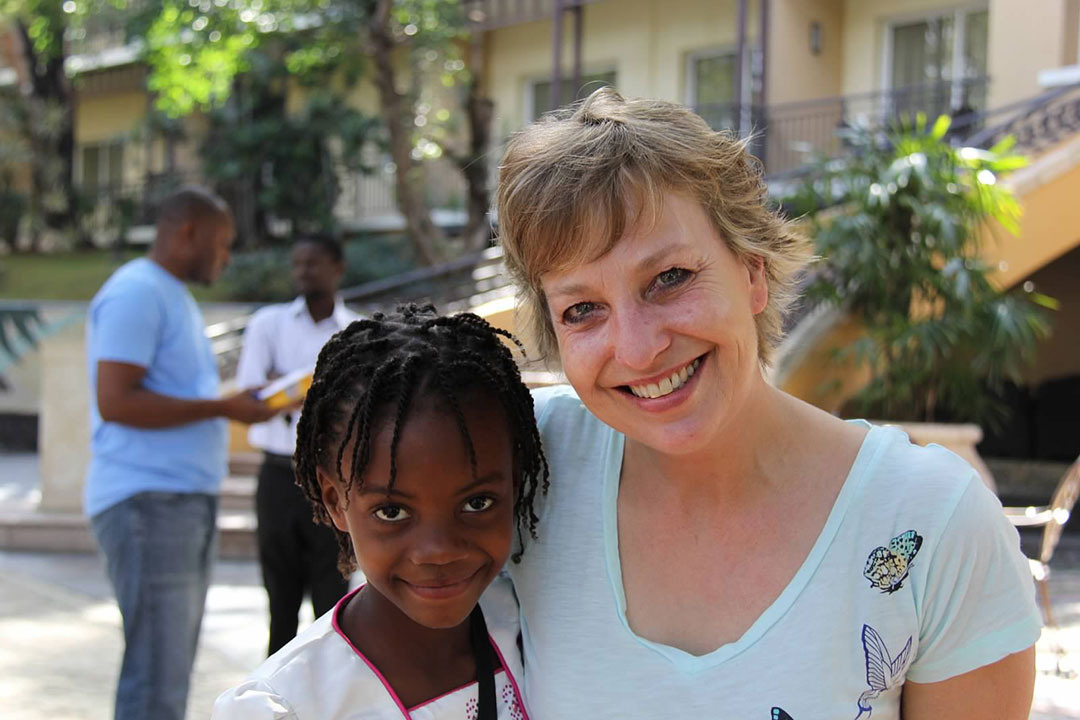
[716,545]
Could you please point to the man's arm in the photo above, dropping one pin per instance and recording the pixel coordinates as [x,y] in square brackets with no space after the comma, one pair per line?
[999,691]
[121,398]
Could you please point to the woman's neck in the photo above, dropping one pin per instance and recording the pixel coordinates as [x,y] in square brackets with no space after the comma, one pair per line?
[419,662]
[744,454]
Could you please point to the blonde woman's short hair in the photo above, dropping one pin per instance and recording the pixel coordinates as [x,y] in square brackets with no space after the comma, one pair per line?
[573,183]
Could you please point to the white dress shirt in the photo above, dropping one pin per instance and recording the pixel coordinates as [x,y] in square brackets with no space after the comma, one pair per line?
[280,339]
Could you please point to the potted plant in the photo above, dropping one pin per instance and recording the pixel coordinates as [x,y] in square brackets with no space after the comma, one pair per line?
[899,224]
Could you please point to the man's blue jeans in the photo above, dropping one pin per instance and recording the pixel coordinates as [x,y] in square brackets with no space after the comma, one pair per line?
[158,549]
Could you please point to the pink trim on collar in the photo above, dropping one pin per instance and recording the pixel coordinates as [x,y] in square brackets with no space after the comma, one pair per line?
[510,676]
[382,678]
[390,690]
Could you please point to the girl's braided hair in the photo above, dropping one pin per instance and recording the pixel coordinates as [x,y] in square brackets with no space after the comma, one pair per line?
[378,364]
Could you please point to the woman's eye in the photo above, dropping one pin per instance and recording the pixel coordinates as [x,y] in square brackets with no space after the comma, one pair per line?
[478,504]
[391,513]
[672,277]
[578,312]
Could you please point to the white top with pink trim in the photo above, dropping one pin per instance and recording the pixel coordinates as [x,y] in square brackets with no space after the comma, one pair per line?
[320,675]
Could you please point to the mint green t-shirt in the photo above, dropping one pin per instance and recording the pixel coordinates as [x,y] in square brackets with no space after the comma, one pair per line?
[916,575]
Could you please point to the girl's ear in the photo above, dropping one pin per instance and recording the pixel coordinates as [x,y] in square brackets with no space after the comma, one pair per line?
[333,498]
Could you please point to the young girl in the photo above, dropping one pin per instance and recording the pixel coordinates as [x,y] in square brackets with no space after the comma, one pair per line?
[417,443]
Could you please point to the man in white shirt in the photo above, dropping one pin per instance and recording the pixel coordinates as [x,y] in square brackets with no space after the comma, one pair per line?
[297,555]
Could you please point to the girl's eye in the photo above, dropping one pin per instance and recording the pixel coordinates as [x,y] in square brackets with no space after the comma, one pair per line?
[578,312]
[672,277]
[391,513]
[478,504]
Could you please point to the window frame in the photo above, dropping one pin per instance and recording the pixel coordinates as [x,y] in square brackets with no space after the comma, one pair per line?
[102,184]
[746,84]
[529,87]
[959,14]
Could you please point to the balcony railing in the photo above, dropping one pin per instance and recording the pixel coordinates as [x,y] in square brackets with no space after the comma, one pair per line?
[493,14]
[788,136]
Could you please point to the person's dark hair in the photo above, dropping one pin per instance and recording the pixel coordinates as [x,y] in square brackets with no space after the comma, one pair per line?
[370,371]
[328,243]
[192,203]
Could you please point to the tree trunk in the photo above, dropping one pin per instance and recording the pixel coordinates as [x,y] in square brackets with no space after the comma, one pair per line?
[426,238]
[50,129]
[474,167]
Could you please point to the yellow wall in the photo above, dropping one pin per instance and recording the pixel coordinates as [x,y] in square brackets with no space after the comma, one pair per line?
[646,42]
[1026,37]
[108,116]
[794,73]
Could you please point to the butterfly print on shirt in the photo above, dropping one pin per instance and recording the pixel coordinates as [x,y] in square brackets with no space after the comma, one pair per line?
[883,671]
[779,714]
[887,567]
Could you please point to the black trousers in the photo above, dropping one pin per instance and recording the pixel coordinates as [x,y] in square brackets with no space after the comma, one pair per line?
[297,555]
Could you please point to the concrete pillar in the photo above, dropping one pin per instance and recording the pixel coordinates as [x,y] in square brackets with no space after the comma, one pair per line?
[64,420]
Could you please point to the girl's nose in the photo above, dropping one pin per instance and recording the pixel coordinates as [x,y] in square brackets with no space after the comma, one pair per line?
[438,544]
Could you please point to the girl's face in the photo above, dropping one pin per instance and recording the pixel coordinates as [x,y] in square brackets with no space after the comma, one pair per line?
[434,541]
[658,336]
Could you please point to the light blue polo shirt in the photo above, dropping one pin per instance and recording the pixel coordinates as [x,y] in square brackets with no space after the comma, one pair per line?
[145,316]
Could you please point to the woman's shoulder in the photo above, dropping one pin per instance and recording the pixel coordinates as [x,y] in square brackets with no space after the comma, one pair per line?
[896,482]
[891,459]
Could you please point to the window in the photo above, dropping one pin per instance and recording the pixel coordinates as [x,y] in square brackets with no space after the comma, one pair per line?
[538,92]
[710,87]
[101,167]
[938,65]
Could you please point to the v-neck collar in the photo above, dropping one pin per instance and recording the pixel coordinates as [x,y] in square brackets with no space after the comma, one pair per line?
[865,461]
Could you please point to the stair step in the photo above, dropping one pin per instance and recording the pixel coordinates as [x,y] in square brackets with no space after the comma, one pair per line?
[238,493]
[244,463]
[70,532]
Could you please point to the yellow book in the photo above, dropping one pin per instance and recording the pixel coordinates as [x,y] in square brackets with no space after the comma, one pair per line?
[287,389]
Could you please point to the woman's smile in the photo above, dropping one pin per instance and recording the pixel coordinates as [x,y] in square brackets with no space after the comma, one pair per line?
[665,385]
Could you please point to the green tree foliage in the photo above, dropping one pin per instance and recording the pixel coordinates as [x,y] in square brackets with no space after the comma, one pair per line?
[41,110]
[201,52]
[898,225]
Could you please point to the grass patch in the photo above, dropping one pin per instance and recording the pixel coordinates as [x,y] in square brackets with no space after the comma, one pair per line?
[251,276]
[71,276]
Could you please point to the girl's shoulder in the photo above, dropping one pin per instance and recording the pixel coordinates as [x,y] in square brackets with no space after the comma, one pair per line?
[316,675]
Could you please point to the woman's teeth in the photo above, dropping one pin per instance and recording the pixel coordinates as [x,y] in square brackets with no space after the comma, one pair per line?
[668,385]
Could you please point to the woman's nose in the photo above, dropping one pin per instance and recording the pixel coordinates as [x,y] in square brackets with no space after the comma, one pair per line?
[640,336]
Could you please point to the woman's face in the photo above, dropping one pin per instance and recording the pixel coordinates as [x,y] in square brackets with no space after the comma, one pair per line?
[658,336]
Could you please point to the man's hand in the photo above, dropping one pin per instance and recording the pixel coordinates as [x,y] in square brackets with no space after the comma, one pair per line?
[246,408]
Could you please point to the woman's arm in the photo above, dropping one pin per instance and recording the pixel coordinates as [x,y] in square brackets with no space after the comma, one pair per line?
[999,691]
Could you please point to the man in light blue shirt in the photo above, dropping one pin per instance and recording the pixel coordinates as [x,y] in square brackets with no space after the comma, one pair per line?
[159,448]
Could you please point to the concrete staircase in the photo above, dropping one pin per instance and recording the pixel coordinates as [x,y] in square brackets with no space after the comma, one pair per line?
[24,527]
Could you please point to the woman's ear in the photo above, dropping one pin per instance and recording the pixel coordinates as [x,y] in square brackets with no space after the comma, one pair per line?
[333,498]
[759,284]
